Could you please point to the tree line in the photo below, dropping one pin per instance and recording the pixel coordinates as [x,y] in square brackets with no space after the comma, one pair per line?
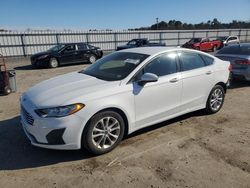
[210,24]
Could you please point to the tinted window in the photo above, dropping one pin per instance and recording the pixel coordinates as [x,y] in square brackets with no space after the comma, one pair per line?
[208,60]
[195,40]
[69,48]
[116,66]
[81,46]
[232,38]
[236,49]
[190,61]
[163,65]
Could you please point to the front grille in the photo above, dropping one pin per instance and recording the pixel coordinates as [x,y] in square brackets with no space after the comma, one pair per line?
[27,117]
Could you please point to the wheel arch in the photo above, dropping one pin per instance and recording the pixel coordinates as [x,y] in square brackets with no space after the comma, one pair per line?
[222,84]
[115,109]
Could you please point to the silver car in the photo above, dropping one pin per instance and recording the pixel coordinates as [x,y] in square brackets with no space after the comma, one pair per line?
[239,57]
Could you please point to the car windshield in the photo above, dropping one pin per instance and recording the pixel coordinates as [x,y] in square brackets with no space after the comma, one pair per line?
[195,40]
[236,49]
[222,38]
[56,48]
[115,66]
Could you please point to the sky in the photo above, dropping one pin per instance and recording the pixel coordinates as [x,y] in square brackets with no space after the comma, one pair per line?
[116,14]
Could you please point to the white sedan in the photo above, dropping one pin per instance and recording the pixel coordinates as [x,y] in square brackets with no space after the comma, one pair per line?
[119,94]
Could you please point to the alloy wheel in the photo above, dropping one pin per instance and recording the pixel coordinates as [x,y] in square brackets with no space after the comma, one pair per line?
[106,132]
[216,99]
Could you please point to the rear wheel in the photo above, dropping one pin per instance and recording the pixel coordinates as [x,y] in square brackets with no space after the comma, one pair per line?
[103,133]
[92,59]
[53,63]
[7,90]
[215,99]
[214,49]
[197,48]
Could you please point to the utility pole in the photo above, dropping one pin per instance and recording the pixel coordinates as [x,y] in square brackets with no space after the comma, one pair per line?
[157,22]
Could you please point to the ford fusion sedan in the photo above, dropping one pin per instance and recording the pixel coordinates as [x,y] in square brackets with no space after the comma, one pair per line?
[66,54]
[119,94]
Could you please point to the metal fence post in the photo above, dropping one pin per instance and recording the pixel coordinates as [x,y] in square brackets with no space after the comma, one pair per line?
[87,38]
[240,35]
[115,40]
[160,36]
[23,45]
[57,39]
[178,40]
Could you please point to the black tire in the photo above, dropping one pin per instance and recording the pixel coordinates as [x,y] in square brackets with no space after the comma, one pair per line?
[88,139]
[53,63]
[92,58]
[210,109]
[7,90]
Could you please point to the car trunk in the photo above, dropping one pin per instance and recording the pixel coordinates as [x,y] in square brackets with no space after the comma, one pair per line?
[235,60]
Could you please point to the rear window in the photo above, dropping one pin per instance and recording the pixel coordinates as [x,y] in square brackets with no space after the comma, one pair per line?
[190,61]
[236,49]
[208,60]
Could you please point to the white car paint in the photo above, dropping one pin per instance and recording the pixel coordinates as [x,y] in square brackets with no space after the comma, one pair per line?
[231,40]
[172,95]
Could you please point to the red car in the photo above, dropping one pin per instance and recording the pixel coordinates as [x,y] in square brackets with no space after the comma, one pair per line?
[203,44]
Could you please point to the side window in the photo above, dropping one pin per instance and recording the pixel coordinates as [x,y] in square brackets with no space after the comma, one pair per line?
[163,65]
[208,60]
[81,46]
[70,48]
[190,61]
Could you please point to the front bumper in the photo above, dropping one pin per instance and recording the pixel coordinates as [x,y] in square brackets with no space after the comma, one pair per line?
[39,63]
[52,133]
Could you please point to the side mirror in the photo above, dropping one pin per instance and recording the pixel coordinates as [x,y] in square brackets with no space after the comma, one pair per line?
[148,77]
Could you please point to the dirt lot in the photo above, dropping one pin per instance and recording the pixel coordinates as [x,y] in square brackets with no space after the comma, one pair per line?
[195,150]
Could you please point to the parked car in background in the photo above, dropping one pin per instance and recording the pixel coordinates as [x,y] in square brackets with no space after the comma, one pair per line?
[239,57]
[119,94]
[203,44]
[135,43]
[66,54]
[227,40]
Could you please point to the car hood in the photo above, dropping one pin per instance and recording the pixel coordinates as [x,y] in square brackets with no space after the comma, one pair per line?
[65,88]
[40,54]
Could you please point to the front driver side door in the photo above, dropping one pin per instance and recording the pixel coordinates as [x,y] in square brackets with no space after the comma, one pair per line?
[158,101]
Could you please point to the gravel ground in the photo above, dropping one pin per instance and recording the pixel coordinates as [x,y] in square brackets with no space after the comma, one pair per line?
[194,150]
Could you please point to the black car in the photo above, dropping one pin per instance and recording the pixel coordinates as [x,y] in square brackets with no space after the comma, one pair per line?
[67,54]
[135,43]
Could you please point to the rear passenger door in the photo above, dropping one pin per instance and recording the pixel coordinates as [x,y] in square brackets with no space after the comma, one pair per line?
[197,79]
[83,52]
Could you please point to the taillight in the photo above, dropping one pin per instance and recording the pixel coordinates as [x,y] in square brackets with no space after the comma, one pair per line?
[242,62]
[230,67]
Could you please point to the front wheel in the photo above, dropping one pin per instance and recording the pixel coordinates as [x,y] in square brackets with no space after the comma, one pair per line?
[53,63]
[215,99]
[103,133]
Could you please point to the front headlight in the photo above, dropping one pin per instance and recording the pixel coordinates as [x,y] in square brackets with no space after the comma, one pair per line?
[60,111]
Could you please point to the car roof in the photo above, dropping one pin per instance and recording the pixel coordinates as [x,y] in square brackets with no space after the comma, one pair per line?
[149,50]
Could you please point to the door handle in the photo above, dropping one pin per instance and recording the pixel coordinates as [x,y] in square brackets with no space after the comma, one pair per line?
[173,80]
[209,72]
